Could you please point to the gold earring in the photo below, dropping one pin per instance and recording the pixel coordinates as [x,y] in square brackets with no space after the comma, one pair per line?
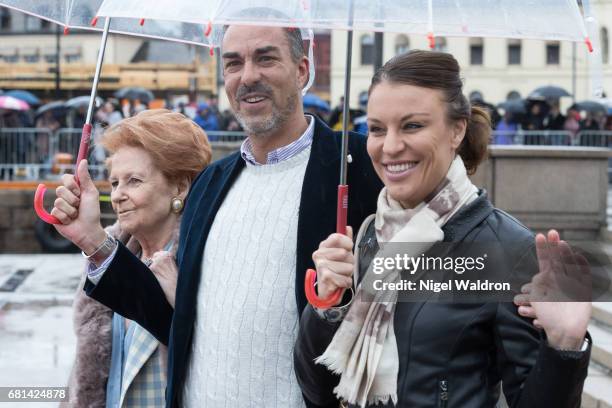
[176,205]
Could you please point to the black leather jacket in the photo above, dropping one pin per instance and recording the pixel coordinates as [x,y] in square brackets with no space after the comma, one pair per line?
[458,355]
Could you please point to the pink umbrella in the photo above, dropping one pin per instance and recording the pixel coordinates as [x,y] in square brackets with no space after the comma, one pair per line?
[8,102]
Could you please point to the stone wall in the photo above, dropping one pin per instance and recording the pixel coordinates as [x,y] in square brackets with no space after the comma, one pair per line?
[17,219]
[550,187]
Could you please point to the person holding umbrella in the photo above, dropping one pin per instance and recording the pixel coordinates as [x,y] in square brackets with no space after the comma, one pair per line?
[424,140]
[249,227]
[154,156]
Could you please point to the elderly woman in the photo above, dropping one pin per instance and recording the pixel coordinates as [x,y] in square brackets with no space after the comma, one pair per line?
[154,157]
[424,139]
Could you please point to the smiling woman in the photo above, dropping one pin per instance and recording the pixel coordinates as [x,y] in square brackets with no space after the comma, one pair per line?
[424,139]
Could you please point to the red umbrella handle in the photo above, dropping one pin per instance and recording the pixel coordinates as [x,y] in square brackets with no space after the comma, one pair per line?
[41,189]
[311,274]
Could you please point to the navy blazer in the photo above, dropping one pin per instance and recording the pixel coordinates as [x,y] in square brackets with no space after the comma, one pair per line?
[129,288]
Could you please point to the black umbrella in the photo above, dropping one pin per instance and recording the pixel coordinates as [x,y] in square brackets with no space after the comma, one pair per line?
[548,92]
[57,107]
[132,93]
[515,106]
[590,106]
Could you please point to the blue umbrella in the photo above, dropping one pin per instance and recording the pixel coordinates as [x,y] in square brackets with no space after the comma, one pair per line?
[313,101]
[25,96]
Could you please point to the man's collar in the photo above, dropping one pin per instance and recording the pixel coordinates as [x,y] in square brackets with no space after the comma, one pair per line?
[283,152]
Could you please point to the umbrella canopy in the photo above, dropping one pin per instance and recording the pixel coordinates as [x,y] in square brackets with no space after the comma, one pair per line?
[132,93]
[82,101]
[548,92]
[57,107]
[25,96]
[544,19]
[80,14]
[590,106]
[314,101]
[514,106]
[11,103]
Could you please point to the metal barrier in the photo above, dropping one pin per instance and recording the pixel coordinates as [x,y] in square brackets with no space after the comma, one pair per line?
[595,138]
[533,137]
[39,154]
[224,136]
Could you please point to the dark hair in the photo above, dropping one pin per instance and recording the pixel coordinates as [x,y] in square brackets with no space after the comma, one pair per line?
[439,70]
[293,34]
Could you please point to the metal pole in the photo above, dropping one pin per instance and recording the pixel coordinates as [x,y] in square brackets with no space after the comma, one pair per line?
[94,86]
[57,62]
[573,72]
[378,51]
[347,97]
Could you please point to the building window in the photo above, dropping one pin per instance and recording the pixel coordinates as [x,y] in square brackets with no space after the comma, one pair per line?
[605,45]
[514,52]
[50,58]
[367,49]
[5,19]
[72,57]
[440,44]
[552,53]
[402,44]
[476,51]
[31,59]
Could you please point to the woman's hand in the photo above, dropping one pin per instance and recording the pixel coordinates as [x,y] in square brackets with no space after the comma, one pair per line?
[165,270]
[78,209]
[334,262]
[559,294]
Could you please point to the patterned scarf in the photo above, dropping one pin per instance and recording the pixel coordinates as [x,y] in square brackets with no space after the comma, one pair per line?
[364,349]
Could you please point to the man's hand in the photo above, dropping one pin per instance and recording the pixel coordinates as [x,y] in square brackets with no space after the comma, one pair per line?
[78,209]
[334,262]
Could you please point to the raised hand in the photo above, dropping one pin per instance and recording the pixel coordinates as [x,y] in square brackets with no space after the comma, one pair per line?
[77,206]
[334,262]
[165,270]
[558,297]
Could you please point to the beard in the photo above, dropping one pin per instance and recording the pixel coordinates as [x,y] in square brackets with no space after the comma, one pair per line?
[262,126]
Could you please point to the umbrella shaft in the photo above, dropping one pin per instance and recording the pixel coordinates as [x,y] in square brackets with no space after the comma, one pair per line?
[94,86]
[346,108]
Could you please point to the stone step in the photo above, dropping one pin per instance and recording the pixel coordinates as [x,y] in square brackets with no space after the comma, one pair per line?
[597,391]
[601,352]
[602,312]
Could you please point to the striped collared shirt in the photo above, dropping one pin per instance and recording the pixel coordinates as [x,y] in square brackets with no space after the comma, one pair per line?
[282,153]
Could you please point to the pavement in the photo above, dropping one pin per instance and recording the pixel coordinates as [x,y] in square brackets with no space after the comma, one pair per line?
[37,342]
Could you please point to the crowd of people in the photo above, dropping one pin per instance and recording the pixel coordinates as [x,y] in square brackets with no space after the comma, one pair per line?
[547,116]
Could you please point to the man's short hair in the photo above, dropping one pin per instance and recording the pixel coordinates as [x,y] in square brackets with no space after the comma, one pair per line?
[293,34]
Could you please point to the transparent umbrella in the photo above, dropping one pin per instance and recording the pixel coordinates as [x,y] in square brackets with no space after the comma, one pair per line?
[544,19]
[81,14]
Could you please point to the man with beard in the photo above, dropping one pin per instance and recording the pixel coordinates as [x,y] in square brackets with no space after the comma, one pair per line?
[250,225]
